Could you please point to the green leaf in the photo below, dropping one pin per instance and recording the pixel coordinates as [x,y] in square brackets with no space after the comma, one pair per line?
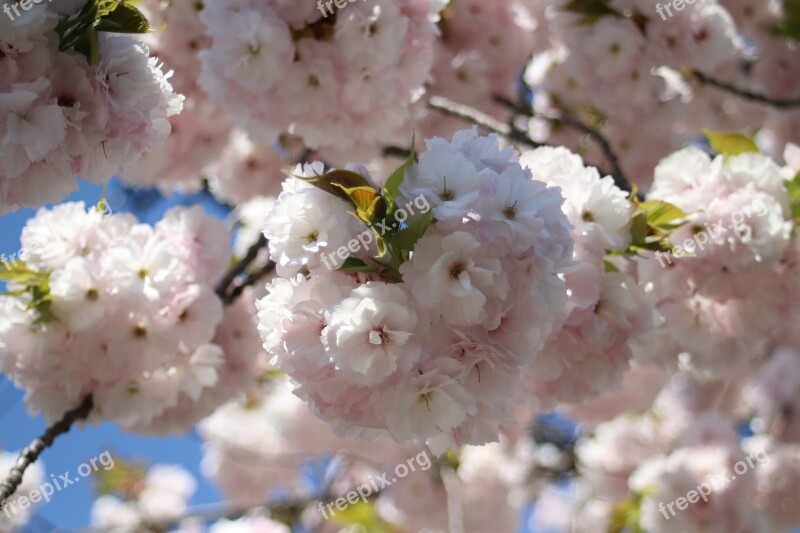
[661,214]
[125,480]
[362,514]
[793,190]
[638,228]
[335,181]
[591,10]
[355,189]
[407,238]
[352,264]
[104,7]
[730,143]
[391,189]
[453,459]
[18,272]
[41,301]
[789,26]
[89,46]
[380,242]
[370,205]
[608,266]
[625,515]
[124,18]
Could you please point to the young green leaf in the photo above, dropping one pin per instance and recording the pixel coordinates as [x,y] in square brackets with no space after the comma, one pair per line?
[391,189]
[730,143]
[352,264]
[591,10]
[369,204]
[124,18]
[789,26]
[335,181]
[661,214]
[407,238]
[793,190]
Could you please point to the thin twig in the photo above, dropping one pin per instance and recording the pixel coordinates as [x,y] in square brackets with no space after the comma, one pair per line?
[616,169]
[251,279]
[480,119]
[395,151]
[31,453]
[240,268]
[744,93]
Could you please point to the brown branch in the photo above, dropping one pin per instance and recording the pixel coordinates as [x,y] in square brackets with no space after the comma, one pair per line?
[31,453]
[238,269]
[480,119]
[250,279]
[567,120]
[744,93]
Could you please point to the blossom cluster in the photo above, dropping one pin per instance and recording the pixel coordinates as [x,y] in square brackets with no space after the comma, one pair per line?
[338,82]
[62,116]
[160,497]
[125,312]
[628,70]
[607,312]
[428,346]
[722,306]
[684,440]
[256,450]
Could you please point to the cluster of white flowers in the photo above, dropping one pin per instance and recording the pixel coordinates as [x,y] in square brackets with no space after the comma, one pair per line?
[607,311]
[685,443]
[126,312]
[479,53]
[625,66]
[162,496]
[434,357]
[61,117]
[722,304]
[343,81]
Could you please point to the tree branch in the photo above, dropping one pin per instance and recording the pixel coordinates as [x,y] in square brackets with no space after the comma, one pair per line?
[31,453]
[744,93]
[480,119]
[616,169]
[238,269]
[251,279]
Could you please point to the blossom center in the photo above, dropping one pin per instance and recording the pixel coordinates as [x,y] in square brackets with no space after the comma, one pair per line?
[378,336]
[456,269]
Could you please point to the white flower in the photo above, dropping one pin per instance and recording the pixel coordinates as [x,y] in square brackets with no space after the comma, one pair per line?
[370,333]
[449,181]
[307,227]
[78,299]
[451,276]
[424,406]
